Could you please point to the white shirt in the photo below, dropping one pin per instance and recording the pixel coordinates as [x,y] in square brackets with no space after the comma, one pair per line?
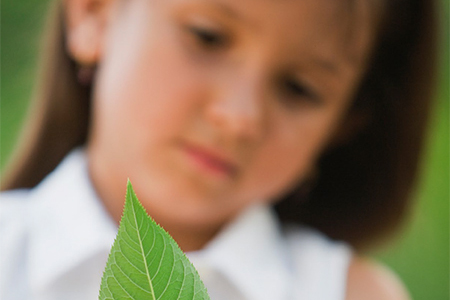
[55,240]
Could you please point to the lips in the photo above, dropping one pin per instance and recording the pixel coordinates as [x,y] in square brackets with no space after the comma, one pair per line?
[210,160]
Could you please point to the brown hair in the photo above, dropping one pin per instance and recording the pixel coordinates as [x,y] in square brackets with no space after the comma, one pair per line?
[364,185]
[59,115]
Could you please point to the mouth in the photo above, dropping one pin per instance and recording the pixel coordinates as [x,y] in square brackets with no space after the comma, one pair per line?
[210,160]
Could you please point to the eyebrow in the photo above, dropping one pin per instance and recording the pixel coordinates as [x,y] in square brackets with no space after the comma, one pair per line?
[228,11]
[332,67]
[326,65]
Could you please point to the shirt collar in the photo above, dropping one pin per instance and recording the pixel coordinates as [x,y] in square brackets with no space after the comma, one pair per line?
[250,254]
[68,224]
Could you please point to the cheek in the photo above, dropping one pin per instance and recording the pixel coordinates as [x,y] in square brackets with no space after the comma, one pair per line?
[287,157]
[144,93]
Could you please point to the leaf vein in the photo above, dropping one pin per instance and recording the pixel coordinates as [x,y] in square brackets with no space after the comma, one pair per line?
[142,249]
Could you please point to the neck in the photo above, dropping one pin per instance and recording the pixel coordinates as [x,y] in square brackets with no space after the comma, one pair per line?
[190,240]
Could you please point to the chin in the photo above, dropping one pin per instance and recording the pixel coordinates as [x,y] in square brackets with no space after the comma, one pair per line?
[189,212]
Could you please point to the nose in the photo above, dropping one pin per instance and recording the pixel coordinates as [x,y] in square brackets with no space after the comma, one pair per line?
[238,108]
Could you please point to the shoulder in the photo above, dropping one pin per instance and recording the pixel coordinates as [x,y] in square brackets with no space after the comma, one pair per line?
[12,196]
[368,280]
[333,264]
[14,216]
[319,264]
[14,208]
[15,213]
[12,202]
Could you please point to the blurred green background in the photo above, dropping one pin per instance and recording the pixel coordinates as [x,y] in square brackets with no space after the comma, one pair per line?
[420,252]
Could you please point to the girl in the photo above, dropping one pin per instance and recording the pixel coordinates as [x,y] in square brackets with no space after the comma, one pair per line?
[267,137]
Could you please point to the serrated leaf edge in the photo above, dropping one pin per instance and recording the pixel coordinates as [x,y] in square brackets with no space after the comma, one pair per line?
[164,232]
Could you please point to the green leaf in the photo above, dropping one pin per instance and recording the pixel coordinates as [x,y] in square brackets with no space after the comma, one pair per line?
[146,263]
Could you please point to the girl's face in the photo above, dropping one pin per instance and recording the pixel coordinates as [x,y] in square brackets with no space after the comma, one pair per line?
[211,105]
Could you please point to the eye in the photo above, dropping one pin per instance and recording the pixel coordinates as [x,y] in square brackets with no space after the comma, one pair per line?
[297,92]
[208,38]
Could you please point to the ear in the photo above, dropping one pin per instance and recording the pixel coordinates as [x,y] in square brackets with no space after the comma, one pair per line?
[85,22]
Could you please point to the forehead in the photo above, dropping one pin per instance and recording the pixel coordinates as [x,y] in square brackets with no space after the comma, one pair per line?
[337,28]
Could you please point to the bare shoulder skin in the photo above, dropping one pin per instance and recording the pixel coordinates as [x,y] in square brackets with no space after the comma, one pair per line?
[368,280]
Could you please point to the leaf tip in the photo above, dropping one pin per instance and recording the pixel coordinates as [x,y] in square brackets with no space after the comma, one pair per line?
[130,191]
